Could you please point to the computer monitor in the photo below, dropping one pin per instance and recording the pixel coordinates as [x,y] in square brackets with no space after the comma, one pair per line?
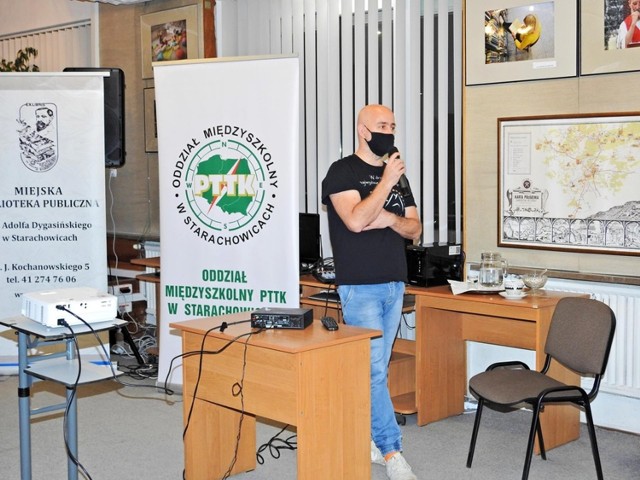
[310,250]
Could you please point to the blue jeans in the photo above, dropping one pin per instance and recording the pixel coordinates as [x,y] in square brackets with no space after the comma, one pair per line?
[379,307]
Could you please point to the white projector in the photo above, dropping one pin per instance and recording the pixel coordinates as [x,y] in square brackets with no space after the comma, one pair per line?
[87,303]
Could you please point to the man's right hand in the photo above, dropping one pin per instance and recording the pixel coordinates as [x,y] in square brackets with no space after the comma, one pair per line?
[394,169]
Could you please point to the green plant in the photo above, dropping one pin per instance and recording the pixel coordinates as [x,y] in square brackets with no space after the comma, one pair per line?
[22,62]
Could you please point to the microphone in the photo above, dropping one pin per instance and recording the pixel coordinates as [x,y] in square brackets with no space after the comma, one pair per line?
[403,183]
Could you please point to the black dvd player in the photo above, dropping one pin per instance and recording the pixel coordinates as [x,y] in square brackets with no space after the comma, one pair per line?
[295,318]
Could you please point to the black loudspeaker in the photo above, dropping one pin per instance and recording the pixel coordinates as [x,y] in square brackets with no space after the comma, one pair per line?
[113,114]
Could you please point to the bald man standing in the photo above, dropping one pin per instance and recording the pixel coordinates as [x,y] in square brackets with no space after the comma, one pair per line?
[370,218]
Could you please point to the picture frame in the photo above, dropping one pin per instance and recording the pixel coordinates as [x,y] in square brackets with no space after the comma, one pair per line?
[570,183]
[150,121]
[170,35]
[599,50]
[520,40]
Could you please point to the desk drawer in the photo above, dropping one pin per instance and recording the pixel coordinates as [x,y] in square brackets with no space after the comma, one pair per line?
[269,377]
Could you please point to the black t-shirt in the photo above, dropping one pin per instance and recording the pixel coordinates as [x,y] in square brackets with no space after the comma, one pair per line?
[372,256]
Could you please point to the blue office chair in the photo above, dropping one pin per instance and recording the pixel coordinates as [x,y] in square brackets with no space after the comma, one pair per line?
[580,339]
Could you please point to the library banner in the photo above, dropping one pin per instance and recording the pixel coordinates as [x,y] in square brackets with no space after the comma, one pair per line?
[52,190]
[228,152]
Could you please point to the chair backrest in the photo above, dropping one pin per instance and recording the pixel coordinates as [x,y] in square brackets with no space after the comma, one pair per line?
[581,335]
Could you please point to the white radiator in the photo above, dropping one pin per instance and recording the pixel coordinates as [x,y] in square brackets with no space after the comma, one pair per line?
[622,376]
[151,249]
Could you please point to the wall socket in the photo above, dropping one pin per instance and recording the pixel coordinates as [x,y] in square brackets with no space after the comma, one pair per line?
[121,289]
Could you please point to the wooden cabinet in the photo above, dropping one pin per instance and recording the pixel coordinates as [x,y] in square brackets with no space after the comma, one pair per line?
[402,368]
[402,376]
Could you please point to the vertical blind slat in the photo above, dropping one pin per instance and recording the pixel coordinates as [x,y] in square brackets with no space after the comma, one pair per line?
[372,59]
[347,114]
[411,148]
[311,99]
[333,82]
[322,88]
[457,107]
[443,119]
[309,204]
[387,53]
[428,125]
[359,76]
[275,34]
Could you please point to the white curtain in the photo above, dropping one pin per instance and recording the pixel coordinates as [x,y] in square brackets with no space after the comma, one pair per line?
[58,47]
[345,65]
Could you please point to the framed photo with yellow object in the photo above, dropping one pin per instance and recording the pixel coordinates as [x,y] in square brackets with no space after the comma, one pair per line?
[518,40]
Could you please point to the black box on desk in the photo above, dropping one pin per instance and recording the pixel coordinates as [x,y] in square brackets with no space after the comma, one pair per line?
[431,265]
[295,318]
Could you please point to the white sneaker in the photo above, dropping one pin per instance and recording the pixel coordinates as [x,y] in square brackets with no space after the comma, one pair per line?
[399,469]
[376,455]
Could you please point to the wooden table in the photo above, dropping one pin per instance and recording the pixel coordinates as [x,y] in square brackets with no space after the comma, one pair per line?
[315,380]
[445,321]
[402,372]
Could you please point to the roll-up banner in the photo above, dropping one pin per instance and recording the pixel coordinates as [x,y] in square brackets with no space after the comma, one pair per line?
[228,152]
[52,189]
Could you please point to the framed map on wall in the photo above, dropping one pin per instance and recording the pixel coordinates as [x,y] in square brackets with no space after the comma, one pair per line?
[570,183]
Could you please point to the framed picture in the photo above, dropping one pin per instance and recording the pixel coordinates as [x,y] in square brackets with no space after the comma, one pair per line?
[150,121]
[516,40]
[170,35]
[570,183]
[603,46]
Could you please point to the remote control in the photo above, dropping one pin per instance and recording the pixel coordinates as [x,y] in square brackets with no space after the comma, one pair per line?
[329,323]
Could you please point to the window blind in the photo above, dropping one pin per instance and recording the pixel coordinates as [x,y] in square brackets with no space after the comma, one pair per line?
[401,53]
[58,47]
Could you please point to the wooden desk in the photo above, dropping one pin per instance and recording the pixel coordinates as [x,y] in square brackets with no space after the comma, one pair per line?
[315,380]
[445,321]
[402,371]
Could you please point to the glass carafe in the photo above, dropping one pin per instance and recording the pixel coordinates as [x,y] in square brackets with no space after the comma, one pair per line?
[492,269]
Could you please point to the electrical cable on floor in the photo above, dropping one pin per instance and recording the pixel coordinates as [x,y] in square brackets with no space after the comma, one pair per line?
[275,444]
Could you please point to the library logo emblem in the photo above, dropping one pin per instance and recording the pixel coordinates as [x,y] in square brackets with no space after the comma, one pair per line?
[38,136]
[229,185]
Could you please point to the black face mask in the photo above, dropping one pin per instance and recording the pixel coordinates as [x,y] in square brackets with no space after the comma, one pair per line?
[381,143]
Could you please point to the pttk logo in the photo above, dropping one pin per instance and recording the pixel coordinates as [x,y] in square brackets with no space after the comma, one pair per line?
[229,186]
